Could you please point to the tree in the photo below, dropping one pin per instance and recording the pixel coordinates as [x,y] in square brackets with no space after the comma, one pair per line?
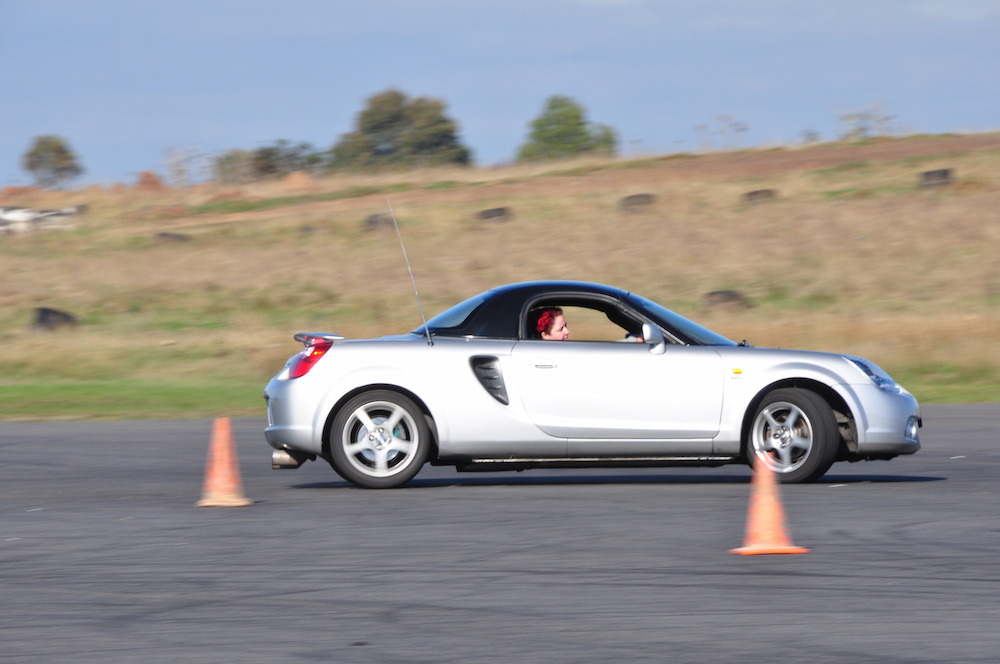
[603,140]
[562,131]
[233,167]
[280,158]
[284,157]
[865,124]
[394,130]
[51,161]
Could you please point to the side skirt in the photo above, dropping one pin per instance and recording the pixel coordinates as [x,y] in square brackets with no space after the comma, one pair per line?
[493,465]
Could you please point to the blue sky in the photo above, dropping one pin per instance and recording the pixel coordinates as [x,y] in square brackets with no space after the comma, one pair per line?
[123,81]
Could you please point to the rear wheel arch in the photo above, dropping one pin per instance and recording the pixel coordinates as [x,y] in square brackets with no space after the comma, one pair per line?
[332,415]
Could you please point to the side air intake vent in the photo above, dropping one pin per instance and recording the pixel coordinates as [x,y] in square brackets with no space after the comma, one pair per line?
[487,370]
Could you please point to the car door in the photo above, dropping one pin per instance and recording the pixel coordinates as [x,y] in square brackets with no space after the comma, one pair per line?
[621,393]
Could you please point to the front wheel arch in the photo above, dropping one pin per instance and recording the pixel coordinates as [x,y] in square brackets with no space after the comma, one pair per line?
[847,423]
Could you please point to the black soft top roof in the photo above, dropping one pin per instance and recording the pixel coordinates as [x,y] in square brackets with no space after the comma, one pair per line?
[498,315]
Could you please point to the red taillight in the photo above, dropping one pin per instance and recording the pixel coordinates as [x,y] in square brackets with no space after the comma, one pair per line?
[304,361]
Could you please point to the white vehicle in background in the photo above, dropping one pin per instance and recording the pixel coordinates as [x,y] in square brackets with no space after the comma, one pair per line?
[635,385]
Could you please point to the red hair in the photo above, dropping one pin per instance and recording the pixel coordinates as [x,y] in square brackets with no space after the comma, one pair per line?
[548,317]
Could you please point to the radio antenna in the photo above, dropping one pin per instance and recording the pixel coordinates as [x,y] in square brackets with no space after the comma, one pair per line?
[427,330]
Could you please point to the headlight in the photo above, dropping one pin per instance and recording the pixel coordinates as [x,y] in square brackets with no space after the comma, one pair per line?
[877,376]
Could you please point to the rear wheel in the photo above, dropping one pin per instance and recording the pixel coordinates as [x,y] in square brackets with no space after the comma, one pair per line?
[379,440]
[795,433]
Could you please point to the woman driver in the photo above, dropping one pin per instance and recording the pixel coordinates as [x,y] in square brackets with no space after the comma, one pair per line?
[552,325]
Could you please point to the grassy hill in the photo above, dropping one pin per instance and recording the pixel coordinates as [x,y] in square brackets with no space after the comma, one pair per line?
[851,255]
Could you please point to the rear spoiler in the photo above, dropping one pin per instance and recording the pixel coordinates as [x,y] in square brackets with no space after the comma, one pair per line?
[312,338]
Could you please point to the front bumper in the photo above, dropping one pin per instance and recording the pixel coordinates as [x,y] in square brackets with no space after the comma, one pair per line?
[891,421]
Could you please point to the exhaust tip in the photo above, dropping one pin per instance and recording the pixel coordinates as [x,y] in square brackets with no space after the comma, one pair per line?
[287,459]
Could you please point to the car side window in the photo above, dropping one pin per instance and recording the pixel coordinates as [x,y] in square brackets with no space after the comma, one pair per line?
[587,323]
[591,325]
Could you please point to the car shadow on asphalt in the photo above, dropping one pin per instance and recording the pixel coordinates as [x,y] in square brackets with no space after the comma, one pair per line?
[549,480]
[876,479]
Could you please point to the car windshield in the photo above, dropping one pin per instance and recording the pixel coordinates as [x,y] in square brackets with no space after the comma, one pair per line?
[455,316]
[700,334]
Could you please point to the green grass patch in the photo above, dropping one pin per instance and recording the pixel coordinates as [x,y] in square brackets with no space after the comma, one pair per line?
[846,167]
[574,172]
[242,205]
[129,399]
[923,159]
[950,383]
[856,193]
[174,325]
[847,193]
[444,184]
[920,137]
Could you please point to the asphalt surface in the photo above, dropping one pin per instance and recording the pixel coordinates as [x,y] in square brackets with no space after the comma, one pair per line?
[104,558]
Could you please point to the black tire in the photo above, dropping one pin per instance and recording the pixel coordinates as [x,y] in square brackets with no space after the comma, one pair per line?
[379,457]
[794,431]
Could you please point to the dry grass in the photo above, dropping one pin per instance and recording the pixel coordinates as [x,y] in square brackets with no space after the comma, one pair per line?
[851,257]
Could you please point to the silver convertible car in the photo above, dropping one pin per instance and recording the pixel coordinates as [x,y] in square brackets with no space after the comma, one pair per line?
[571,374]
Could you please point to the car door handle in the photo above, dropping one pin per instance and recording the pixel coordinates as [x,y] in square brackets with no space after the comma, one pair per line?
[546,366]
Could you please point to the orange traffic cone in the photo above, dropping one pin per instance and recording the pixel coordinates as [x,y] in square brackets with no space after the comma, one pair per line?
[765,518]
[222,471]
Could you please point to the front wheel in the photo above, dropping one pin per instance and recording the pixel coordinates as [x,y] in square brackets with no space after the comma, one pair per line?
[379,440]
[795,433]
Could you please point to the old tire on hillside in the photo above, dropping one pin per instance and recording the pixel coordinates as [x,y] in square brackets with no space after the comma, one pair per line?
[379,440]
[795,433]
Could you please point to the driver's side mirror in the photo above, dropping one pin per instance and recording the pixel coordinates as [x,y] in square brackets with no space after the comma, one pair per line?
[653,338]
